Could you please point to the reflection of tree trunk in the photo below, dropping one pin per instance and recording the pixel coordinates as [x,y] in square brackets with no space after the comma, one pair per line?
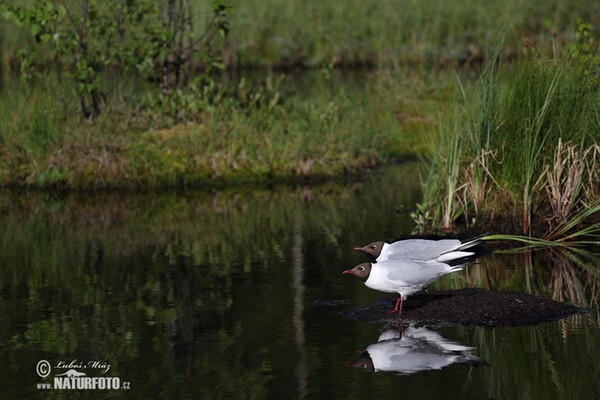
[182,324]
[298,285]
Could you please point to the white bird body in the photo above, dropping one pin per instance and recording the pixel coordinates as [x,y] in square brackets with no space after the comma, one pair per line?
[406,277]
[444,250]
[421,249]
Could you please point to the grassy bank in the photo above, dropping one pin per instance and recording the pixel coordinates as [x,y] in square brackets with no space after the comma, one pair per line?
[264,132]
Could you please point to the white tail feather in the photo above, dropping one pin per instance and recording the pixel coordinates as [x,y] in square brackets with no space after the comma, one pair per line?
[454,255]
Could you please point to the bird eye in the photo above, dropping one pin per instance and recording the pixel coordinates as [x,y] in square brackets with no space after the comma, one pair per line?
[361,268]
[374,246]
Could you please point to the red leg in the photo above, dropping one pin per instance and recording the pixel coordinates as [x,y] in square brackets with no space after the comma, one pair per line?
[400,301]
[400,326]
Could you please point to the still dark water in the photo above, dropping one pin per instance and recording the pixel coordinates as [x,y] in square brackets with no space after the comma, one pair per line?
[238,293]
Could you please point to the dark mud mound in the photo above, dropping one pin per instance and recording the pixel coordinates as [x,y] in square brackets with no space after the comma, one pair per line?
[469,307]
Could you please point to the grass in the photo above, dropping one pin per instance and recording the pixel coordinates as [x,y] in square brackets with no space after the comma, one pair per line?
[383,33]
[388,32]
[536,154]
[550,103]
[440,202]
[519,141]
[255,132]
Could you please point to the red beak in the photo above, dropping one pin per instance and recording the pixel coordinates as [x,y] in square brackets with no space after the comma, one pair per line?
[348,271]
[358,249]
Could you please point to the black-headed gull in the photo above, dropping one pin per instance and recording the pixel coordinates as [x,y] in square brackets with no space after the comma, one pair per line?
[404,277]
[421,249]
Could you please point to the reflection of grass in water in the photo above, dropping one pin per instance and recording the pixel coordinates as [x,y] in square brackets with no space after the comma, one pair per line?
[557,356]
[116,269]
[563,274]
[537,362]
[208,217]
[552,353]
[223,231]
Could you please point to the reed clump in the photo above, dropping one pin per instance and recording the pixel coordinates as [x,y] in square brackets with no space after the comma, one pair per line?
[524,159]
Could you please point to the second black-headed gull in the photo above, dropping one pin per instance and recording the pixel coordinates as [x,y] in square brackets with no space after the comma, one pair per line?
[404,277]
[421,249]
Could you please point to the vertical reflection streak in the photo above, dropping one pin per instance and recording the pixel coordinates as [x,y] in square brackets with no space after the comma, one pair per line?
[298,286]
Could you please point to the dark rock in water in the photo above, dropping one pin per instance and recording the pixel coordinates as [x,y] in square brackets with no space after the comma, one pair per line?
[469,307]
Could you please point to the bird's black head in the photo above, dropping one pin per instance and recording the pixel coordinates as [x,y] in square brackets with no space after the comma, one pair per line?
[373,249]
[361,271]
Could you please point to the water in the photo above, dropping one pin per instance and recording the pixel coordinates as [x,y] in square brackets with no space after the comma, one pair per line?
[238,293]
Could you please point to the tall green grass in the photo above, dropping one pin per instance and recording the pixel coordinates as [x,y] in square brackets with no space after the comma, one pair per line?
[545,103]
[441,202]
[529,148]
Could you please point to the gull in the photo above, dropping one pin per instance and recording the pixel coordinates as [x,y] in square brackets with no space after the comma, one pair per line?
[404,277]
[421,249]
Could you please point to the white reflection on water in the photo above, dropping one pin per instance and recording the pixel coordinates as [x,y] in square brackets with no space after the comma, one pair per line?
[414,350]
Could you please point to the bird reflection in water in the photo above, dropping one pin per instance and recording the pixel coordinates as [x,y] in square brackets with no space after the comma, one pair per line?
[414,350]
